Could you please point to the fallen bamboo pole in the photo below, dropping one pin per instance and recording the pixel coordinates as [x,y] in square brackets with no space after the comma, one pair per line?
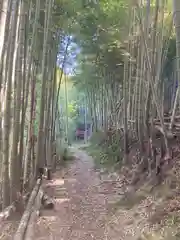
[29,235]
[20,233]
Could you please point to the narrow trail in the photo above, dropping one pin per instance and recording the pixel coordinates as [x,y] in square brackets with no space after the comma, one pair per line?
[83,206]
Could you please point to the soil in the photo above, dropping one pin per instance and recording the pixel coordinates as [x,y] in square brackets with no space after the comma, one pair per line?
[96,204]
[9,227]
[85,201]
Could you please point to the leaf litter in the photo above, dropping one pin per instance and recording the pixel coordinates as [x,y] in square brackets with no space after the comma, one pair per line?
[91,207]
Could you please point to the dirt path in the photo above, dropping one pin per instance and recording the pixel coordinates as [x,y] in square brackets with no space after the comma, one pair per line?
[83,203]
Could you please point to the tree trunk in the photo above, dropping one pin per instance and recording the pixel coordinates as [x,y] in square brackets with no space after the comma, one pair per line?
[176,18]
[39,159]
[15,161]
[7,106]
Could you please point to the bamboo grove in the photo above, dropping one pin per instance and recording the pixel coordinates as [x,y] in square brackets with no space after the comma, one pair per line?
[29,44]
[129,70]
[127,67]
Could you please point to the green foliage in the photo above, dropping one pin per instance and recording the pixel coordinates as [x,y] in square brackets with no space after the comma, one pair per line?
[105,153]
[72,109]
[97,138]
[75,98]
[99,156]
[63,152]
[102,29]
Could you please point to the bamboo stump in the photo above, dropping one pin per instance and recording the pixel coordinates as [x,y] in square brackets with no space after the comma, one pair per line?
[47,202]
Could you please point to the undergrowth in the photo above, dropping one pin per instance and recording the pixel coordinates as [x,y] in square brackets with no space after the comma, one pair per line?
[64,154]
[161,202]
[105,155]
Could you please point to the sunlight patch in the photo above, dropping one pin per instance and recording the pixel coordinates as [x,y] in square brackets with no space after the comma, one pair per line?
[49,218]
[62,200]
[72,180]
[57,182]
